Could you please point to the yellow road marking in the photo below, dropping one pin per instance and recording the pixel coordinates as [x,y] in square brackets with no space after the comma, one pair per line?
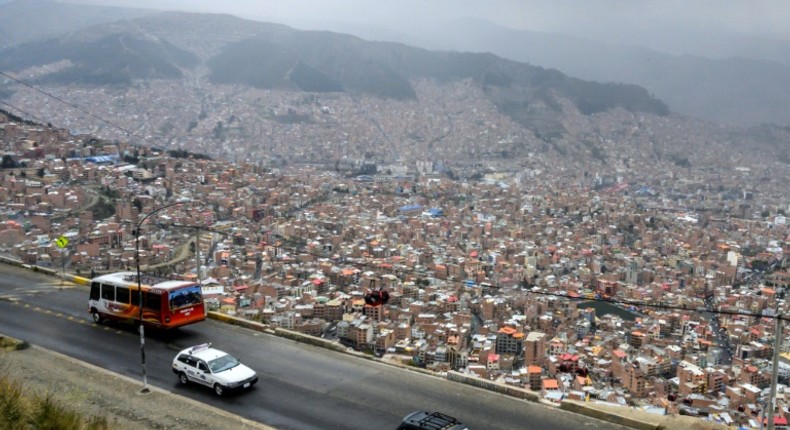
[70,317]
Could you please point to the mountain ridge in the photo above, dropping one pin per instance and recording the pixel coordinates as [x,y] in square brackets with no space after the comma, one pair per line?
[208,83]
[315,61]
[737,91]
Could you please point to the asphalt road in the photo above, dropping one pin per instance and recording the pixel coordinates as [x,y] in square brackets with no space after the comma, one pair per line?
[300,387]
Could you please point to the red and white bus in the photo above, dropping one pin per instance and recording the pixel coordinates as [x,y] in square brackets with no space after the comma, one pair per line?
[166,303]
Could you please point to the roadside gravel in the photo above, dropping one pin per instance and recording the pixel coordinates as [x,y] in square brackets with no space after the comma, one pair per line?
[93,391]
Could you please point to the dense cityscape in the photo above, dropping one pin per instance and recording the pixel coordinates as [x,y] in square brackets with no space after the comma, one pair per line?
[570,284]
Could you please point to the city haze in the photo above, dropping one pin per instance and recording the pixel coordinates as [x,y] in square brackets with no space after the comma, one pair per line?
[676,27]
[726,62]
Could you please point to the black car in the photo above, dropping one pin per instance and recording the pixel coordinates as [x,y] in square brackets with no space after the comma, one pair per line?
[422,420]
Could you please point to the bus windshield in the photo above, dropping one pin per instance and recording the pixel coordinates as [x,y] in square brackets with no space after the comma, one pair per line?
[185,297]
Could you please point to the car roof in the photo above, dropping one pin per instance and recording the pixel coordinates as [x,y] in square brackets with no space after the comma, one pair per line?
[204,352]
[432,421]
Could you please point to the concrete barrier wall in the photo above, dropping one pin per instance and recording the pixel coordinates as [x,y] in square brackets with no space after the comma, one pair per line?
[580,408]
[229,319]
[11,261]
[312,340]
[493,386]
[49,271]
[288,334]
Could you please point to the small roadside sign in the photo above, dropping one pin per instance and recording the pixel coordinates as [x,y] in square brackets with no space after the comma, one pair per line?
[62,242]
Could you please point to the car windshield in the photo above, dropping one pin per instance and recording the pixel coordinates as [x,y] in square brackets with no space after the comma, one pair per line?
[223,363]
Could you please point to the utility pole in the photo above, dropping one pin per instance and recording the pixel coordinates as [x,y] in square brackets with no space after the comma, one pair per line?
[140,302]
[197,254]
[62,266]
[775,372]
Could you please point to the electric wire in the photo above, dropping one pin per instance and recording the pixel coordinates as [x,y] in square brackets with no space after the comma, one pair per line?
[78,108]
[658,305]
[39,120]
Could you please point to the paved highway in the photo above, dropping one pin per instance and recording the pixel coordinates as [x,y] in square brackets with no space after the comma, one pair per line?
[301,386]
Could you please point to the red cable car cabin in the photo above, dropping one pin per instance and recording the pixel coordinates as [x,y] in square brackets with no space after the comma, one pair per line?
[377,297]
[166,303]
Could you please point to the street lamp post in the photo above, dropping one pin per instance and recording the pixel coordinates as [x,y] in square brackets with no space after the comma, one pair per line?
[775,373]
[140,286]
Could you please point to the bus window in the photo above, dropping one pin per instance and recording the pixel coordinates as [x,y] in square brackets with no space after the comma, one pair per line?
[152,301]
[108,292]
[185,297]
[95,289]
[122,295]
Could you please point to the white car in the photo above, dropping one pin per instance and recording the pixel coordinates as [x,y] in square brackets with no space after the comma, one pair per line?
[213,368]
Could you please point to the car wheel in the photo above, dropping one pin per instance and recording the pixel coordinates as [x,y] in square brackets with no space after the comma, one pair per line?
[97,318]
[218,389]
[183,378]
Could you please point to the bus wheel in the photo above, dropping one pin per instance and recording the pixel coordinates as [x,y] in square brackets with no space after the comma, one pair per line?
[97,318]
[183,378]
[218,389]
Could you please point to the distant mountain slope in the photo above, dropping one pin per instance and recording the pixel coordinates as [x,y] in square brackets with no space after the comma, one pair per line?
[737,91]
[346,63]
[101,59]
[23,21]
[274,56]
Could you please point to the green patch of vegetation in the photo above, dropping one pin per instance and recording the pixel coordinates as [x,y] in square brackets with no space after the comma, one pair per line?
[681,161]
[310,79]
[182,153]
[293,117]
[103,209]
[21,408]
[10,344]
[596,151]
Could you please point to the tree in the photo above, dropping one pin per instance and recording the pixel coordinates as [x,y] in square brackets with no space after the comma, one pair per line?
[760,265]
[8,162]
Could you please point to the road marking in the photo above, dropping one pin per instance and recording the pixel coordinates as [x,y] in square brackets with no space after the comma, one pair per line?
[68,317]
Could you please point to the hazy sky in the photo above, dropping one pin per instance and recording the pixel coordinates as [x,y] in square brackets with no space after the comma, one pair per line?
[750,16]
[661,24]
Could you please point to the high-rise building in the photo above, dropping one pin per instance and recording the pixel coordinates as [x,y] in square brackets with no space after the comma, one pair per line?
[535,348]
[509,341]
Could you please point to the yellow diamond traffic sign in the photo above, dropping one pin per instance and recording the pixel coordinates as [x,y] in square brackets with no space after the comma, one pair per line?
[62,242]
